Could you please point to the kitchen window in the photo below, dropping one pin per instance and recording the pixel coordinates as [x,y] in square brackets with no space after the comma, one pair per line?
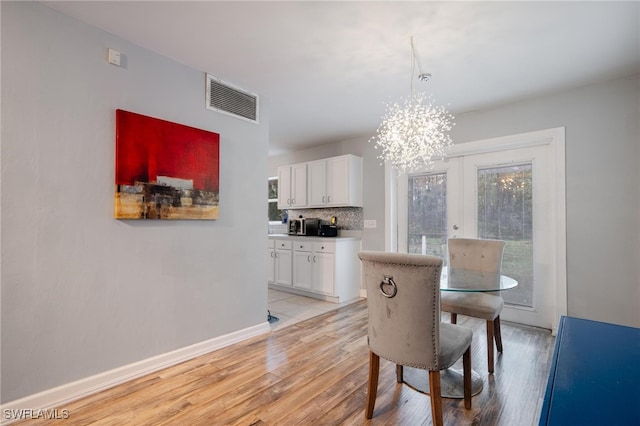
[275,214]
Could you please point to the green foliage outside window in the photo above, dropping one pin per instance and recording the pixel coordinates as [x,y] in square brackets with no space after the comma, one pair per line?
[274,214]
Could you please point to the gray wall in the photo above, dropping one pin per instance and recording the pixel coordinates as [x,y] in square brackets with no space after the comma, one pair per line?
[83,293]
[602,187]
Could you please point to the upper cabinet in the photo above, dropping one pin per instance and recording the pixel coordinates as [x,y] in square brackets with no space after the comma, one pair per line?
[331,182]
[292,186]
[335,182]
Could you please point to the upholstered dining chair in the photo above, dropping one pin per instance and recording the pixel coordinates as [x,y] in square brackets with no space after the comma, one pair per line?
[403,302]
[483,256]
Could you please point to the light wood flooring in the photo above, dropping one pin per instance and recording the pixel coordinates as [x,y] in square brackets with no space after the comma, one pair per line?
[314,372]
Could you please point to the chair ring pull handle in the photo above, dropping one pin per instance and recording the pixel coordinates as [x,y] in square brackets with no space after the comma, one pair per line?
[388,280]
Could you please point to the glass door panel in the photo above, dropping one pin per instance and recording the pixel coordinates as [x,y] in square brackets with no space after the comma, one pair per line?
[427,212]
[505,212]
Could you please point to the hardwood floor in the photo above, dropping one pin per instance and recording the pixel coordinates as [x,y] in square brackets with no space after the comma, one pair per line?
[314,372]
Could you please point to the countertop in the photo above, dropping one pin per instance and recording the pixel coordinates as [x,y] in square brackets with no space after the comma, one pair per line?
[311,237]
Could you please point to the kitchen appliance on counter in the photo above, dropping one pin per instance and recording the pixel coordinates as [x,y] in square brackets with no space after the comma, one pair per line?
[307,226]
[328,231]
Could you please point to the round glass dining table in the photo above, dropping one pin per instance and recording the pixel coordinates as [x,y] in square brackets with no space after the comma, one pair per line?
[461,280]
[457,279]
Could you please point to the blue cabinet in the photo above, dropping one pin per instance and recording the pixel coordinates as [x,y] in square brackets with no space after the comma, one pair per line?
[595,375]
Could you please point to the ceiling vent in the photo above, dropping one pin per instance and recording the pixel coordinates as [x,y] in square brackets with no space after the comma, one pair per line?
[225,98]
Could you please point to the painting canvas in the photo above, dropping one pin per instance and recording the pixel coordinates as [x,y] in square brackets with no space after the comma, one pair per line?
[165,170]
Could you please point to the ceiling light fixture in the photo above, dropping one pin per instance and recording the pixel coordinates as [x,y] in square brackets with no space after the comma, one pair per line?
[414,132]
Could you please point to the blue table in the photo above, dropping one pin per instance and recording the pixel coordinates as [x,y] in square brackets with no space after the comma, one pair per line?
[595,375]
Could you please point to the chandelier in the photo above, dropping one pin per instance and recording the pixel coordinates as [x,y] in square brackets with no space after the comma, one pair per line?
[414,131]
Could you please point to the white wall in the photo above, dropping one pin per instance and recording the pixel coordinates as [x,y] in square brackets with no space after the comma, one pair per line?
[83,293]
[602,176]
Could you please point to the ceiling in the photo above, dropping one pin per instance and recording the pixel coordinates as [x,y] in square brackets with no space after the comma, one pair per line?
[327,68]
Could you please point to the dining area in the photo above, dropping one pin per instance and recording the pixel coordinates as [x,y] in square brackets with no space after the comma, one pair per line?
[315,372]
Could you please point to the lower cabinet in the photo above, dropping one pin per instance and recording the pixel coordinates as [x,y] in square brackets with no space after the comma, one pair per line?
[326,269]
[313,266]
[279,261]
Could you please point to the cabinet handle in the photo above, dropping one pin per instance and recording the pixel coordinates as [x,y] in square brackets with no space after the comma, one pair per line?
[328,198]
[309,258]
[275,255]
[314,259]
[272,254]
[324,198]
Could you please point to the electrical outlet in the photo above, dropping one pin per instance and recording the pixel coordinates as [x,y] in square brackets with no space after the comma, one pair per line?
[114,57]
[370,223]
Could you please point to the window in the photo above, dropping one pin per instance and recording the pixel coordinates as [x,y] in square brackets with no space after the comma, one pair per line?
[275,215]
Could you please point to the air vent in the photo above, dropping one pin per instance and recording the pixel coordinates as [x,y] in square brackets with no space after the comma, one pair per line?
[223,97]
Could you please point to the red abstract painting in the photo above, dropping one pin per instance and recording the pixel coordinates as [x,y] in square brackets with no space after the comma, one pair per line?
[165,170]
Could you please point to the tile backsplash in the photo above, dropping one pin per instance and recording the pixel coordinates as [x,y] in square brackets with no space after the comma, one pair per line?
[349,218]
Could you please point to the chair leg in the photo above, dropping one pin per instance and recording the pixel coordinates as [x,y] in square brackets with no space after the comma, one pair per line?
[490,345]
[497,333]
[454,318]
[399,373]
[372,390]
[466,374]
[436,397]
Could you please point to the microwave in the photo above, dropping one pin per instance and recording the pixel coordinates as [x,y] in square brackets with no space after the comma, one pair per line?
[304,226]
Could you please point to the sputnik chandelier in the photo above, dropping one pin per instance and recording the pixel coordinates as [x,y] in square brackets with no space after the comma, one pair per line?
[413,132]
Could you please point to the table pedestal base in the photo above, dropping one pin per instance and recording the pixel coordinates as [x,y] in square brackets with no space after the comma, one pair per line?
[451,382]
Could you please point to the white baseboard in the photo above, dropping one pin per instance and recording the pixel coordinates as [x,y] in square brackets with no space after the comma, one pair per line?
[64,394]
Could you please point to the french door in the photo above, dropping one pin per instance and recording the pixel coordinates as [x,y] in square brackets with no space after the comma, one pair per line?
[503,191]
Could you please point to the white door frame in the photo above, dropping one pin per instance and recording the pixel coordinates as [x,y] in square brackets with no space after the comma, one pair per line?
[396,189]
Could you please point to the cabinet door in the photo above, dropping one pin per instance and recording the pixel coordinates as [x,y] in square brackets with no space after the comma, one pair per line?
[317,183]
[271,266]
[283,267]
[338,181]
[323,273]
[302,271]
[284,187]
[299,185]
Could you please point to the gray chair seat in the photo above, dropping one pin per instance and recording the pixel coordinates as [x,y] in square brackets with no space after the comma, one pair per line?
[453,342]
[479,305]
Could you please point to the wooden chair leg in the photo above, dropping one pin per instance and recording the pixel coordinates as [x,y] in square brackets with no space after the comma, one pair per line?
[454,318]
[372,389]
[399,373]
[497,333]
[436,398]
[466,374]
[490,345]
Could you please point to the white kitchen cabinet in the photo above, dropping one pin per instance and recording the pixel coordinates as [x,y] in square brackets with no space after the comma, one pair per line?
[335,182]
[302,264]
[313,266]
[279,262]
[292,186]
[324,268]
[271,261]
[323,278]
[317,183]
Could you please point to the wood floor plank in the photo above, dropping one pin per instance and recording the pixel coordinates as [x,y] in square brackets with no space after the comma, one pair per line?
[315,373]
